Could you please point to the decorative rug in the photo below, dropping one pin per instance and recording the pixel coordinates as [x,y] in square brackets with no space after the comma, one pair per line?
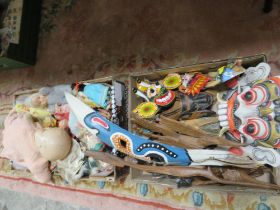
[94,39]
[144,196]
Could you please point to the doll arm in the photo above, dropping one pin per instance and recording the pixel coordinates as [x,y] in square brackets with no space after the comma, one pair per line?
[39,167]
[10,118]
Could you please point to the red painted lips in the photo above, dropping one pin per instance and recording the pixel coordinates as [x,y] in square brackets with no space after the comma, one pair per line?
[165,99]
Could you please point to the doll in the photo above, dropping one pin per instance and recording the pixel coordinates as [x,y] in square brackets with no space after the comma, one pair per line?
[55,95]
[48,101]
[97,93]
[31,146]
[39,113]
[48,97]
[62,115]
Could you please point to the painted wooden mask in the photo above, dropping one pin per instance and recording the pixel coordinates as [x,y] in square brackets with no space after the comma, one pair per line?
[252,113]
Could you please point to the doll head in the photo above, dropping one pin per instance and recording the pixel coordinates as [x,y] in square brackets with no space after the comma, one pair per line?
[38,100]
[62,112]
[53,143]
[77,87]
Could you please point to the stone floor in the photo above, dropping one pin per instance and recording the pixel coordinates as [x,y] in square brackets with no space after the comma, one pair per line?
[11,200]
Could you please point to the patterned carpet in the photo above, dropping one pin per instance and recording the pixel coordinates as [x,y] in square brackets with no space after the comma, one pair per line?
[99,38]
[95,38]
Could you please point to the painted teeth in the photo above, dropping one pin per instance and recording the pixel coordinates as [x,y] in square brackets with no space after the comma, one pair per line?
[224,123]
[166,98]
[223,118]
[222,111]
[223,106]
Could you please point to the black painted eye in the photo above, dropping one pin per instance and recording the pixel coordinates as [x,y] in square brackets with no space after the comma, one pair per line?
[250,128]
[152,90]
[123,143]
[248,96]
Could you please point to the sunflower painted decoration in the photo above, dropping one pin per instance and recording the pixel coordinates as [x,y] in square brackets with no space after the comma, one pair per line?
[146,109]
[172,81]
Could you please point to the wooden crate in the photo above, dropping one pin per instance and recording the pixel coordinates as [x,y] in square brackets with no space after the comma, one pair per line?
[140,176]
[20,96]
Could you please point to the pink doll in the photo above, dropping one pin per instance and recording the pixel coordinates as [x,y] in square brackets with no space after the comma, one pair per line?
[62,115]
[31,146]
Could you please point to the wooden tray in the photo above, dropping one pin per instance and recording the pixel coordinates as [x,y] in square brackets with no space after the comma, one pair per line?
[140,176]
[19,98]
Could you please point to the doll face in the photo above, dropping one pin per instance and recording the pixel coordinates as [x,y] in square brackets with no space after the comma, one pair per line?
[39,100]
[253,114]
[58,109]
